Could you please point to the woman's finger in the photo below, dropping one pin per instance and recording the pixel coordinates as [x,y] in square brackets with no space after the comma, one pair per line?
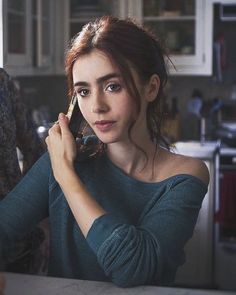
[64,125]
[55,129]
[53,133]
[47,141]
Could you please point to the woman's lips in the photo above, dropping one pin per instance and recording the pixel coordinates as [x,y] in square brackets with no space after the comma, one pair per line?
[104,125]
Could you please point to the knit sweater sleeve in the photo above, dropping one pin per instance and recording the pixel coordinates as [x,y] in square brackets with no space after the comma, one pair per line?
[24,206]
[151,251]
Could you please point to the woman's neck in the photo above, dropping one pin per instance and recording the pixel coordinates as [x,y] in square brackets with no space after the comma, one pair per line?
[131,160]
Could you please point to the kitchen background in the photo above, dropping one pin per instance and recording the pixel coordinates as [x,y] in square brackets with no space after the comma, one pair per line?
[35,57]
[200,94]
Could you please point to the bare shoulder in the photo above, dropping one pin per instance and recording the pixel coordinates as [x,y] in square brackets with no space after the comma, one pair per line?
[180,164]
[197,168]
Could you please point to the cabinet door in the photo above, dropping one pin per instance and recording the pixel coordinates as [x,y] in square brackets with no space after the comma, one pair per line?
[28,36]
[185,27]
[73,14]
[17,28]
[83,11]
[42,18]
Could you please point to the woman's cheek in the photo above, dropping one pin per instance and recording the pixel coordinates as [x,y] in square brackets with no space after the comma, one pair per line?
[83,109]
[86,115]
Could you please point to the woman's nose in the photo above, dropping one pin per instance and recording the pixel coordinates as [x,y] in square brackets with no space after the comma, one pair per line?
[99,105]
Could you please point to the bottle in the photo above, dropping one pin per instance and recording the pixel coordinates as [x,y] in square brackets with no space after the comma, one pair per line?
[233,92]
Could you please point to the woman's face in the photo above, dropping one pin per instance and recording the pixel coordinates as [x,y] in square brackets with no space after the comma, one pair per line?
[103,98]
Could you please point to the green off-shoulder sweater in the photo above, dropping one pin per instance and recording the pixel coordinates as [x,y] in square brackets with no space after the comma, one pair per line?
[139,241]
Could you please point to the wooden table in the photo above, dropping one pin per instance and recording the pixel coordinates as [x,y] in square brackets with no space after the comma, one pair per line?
[19,284]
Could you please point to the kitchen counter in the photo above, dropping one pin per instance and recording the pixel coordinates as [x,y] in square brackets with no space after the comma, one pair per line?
[38,285]
[197,149]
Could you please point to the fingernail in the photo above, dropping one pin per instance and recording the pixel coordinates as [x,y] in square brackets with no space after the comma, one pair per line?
[61,116]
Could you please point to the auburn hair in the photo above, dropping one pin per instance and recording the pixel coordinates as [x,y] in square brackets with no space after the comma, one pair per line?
[126,43]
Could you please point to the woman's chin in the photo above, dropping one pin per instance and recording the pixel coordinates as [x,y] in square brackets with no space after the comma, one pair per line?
[107,138]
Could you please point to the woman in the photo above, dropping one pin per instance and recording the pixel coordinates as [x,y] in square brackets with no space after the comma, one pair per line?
[124,210]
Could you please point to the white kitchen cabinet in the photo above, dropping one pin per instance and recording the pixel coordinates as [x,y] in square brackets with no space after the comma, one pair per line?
[37,32]
[185,27]
[80,12]
[28,36]
[71,15]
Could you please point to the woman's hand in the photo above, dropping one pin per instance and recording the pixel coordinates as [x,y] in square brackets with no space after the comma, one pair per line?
[2,284]
[61,146]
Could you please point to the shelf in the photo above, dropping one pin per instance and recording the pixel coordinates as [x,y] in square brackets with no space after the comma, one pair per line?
[81,19]
[168,18]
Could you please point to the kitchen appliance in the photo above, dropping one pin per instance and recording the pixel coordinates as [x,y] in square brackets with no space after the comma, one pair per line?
[225,221]
[226,129]
[211,253]
[227,133]
[198,268]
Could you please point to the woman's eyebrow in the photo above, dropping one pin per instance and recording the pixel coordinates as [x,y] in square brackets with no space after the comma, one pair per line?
[99,80]
[107,77]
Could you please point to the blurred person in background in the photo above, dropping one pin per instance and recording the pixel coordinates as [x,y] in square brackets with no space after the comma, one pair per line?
[17,130]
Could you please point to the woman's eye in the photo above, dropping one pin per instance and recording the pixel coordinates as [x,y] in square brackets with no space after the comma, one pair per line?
[113,87]
[83,92]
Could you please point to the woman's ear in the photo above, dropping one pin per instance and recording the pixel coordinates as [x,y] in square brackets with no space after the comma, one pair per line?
[152,87]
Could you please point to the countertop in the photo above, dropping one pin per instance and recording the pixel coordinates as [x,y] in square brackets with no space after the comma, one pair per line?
[206,150]
[19,284]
